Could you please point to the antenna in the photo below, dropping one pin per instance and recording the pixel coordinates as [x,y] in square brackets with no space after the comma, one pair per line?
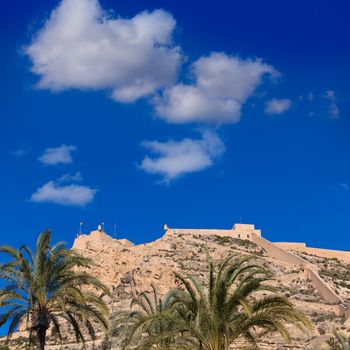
[115,230]
[103,226]
[80,225]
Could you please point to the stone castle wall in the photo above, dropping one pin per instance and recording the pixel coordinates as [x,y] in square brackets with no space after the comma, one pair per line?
[278,252]
[322,287]
[242,231]
[290,245]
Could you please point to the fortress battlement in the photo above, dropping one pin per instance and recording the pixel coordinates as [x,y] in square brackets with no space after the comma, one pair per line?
[242,231]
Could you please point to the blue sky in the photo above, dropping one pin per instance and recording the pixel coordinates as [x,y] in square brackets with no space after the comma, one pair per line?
[191,114]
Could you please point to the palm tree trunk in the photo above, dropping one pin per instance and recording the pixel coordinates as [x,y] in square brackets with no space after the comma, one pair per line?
[41,338]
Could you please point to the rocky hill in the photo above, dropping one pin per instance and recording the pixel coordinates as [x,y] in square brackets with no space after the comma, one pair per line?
[316,280]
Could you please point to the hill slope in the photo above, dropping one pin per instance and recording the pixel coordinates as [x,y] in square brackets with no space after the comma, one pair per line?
[129,269]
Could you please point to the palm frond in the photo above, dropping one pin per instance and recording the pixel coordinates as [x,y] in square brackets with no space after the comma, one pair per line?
[44,286]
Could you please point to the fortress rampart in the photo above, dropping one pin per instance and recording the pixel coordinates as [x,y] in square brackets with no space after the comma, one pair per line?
[291,245]
[242,231]
[281,251]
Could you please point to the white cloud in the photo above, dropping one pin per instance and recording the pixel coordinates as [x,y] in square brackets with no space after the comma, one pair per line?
[176,158]
[70,178]
[58,193]
[344,186]
[20,152]
[333,109]
[81,46]
[58,155]
[277,106]
[221,86]
[330,95]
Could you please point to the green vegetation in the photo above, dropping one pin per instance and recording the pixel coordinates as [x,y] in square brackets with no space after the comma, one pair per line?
[245,244]
[148,315]
[339,342]
[223,240]
[43,289]
[50,288]
[212,316]
[335,274]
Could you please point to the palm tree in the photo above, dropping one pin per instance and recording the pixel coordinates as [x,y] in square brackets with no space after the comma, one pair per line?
[43,289]
[230,308]
[339,342]
[148,317]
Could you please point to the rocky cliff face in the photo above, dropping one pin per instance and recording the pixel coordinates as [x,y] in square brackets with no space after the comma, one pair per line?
[129,269]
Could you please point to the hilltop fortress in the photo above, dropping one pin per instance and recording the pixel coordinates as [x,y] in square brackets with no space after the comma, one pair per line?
[281,251]
[242,231]
[249,232]
[316,280]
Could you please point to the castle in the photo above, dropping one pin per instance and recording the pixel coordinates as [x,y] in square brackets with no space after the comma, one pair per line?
[281,251]
[242,231]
